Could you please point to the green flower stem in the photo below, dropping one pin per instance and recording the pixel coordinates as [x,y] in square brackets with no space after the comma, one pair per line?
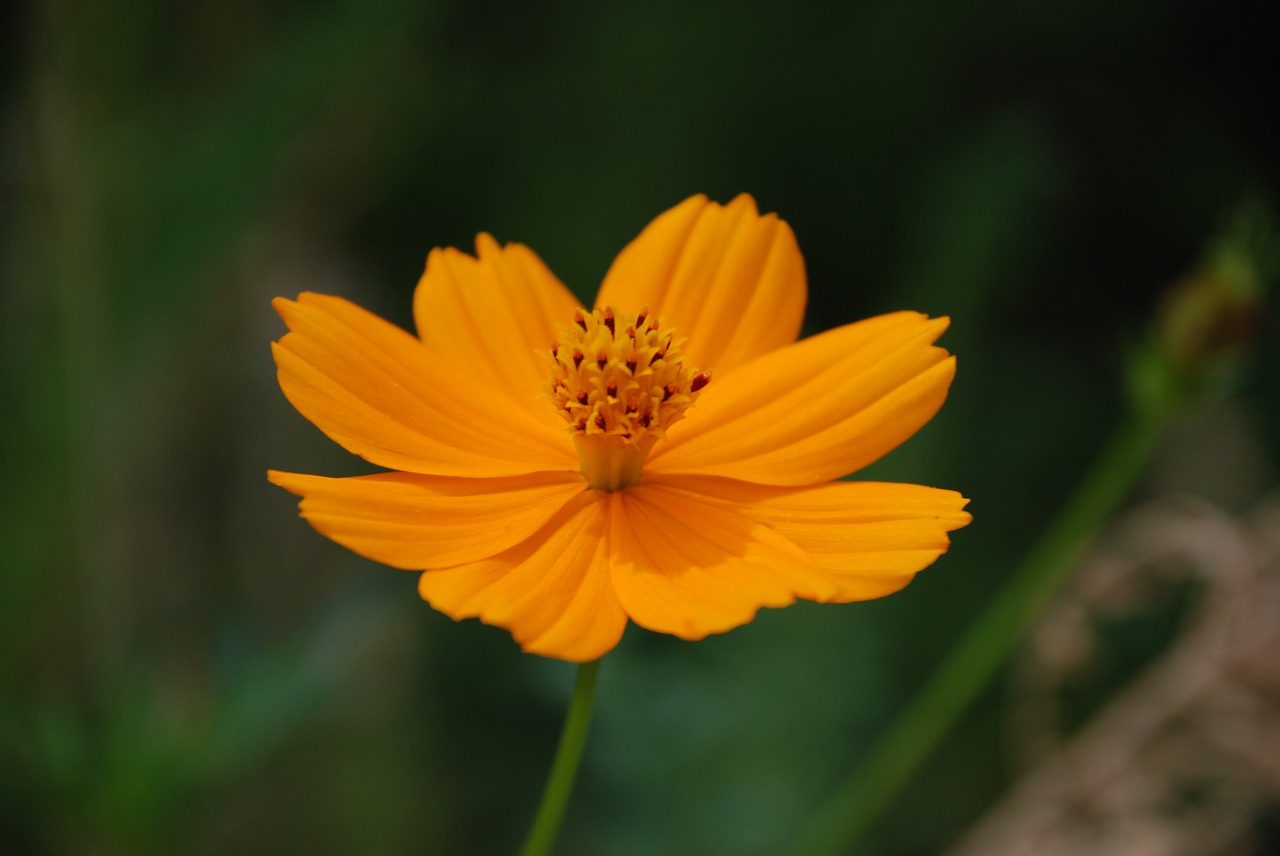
[565,767]
[975,659]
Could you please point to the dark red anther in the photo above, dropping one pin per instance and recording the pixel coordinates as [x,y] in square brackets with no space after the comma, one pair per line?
[583,398]
[577,358]
[580,320]
[600,421]
[657,356]
[668,391]
[602,360]
[611,390]
[608,319]
[631,363]
[644,313]
[700,380]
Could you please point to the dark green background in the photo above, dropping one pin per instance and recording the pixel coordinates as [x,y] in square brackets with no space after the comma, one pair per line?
[186,667]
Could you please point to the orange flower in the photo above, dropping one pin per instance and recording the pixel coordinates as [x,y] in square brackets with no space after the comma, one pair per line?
[666,457]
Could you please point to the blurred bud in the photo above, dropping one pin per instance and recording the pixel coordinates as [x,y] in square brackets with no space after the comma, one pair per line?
[1209,317]
[1208,320]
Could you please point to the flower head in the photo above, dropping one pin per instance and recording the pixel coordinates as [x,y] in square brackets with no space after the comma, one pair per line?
[666,457]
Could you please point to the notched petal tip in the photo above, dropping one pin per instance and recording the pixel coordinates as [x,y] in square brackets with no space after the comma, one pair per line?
[575,646]
[487,316]
[376,390]
[729,279]
[288,481]
[416,522]
[818,409]
[552,591]
[870,538]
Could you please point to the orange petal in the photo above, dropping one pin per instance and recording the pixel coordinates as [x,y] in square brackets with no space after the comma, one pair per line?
[377,391]
[729,279]
[818,409]
[416,522]
[488,315]
[873,537]
[686,566]
[553,591]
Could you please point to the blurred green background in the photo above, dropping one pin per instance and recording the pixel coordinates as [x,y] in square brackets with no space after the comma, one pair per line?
[185,667]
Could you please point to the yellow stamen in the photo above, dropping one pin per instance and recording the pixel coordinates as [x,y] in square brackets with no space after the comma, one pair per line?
[619,380]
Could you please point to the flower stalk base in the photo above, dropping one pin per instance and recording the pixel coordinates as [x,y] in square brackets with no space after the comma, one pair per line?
[564,769]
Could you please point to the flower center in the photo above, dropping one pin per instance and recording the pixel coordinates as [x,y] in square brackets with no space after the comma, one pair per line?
[619,380]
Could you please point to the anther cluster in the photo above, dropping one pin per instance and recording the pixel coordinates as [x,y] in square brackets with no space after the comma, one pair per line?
[621,374]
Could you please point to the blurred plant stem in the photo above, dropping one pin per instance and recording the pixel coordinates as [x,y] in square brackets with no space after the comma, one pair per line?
[977,656]
[71,259]
[1179,363]
[126,202]
[565,767]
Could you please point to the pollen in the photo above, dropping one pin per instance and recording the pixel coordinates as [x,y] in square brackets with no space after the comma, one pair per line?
[619,381]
